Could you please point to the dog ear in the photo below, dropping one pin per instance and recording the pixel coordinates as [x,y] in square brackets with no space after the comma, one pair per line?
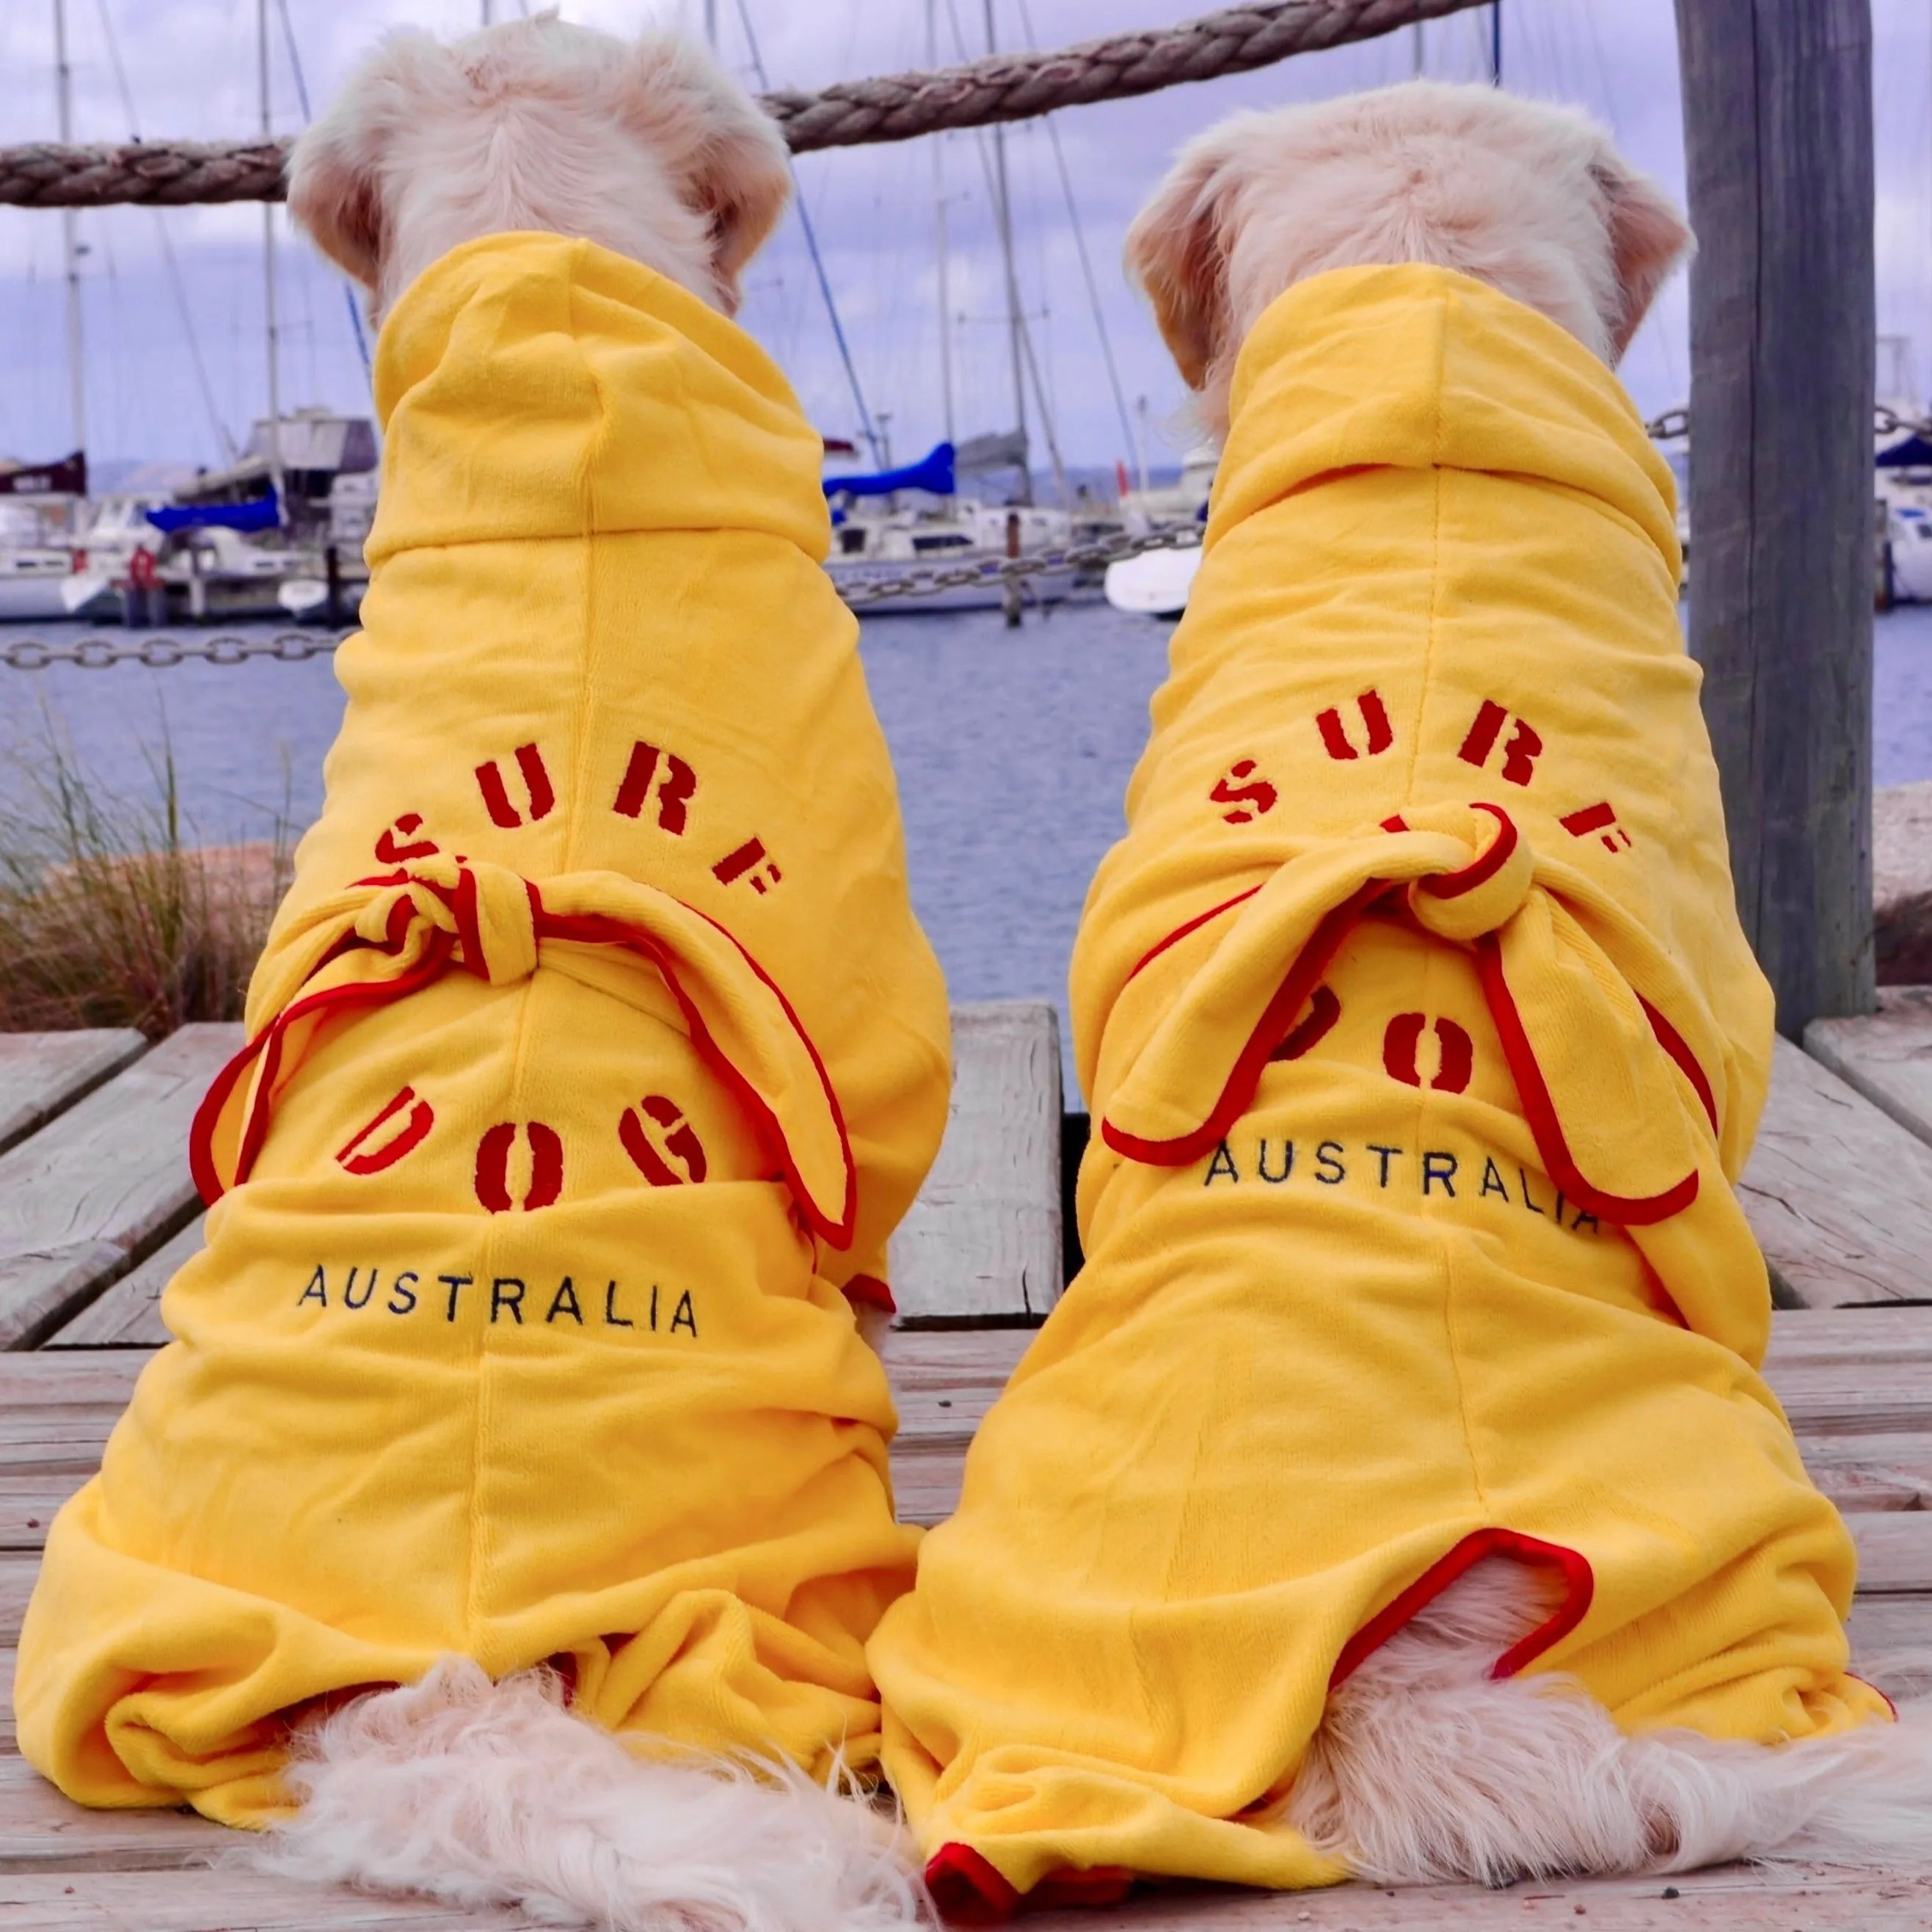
[1177,252]
[1649,239]
[335,171]
[731,162]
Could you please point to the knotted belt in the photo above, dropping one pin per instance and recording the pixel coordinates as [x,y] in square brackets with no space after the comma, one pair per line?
[1623,1112]
[382,938]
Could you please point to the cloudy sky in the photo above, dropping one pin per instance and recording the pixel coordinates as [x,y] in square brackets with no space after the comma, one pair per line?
[189,71]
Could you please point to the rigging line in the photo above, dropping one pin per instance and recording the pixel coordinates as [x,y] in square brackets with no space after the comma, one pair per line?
[301,96]
[224,441]
[1025,333]
[817,260]
[1086,262]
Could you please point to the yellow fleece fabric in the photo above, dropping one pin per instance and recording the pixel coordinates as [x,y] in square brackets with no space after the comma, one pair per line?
[594,1052]
[1423,1047]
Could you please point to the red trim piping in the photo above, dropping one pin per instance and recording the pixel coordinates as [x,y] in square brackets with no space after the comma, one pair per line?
[868,1291]
[599,929]
[1540,1111]
[1294,993]
[267,1045]
[1674,1043]
[1870,1686]
[969,1891]
[1193,925]
[1580,1586]
[967,1888]
[1480,870]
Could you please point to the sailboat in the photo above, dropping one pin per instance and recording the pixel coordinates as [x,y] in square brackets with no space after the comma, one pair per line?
[890,520]
[878,534]
[44,570]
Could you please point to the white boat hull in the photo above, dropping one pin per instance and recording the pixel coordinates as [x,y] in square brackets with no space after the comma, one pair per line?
[51,599]
[1154,584]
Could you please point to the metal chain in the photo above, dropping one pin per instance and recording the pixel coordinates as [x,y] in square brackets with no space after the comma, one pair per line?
[99,653]
[929,581]
[230,647]
[1676,423]
[1889,422]
[160,650]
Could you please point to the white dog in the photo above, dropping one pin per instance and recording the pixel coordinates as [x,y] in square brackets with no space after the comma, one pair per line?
[1530,199]
[1426,1767]
[492,1793]
[647,148]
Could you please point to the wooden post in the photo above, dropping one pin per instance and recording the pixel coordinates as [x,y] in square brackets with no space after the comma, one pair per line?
[1778,126]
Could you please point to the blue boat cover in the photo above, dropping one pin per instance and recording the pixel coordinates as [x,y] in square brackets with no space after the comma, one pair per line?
[261,513]
[933,471]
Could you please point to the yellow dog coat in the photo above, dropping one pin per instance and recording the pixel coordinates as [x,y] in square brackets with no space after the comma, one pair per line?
[594,1051]
[1423,1047]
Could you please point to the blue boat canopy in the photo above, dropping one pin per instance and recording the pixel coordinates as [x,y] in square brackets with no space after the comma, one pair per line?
[1914,453]
[261,513]
[933,471]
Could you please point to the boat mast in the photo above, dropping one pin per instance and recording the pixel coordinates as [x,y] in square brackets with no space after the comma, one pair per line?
[1015,319]
[939,231]
[268,274]
[70,236]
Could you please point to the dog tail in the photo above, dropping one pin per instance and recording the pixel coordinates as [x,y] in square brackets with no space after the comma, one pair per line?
[487,1794]
[1427,1770]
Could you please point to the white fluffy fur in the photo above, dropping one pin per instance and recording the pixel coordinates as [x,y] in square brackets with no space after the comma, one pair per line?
[647,147]
[1427,1769]
[492,1794]
[483,1793]
[1531,198]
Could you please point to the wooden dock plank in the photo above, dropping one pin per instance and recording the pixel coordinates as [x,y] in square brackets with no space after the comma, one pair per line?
[18,1569]
[1883,1333]
[1881,1627]
[1838,1194]
[1886,1055]
[982,1243]
[128,1315]
[101,1183]
[41,1831]
[214,1901]
[1740,1898]
[42,1073]
[1812,1900]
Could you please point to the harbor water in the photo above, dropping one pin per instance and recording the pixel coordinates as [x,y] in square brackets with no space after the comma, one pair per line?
[1012,749]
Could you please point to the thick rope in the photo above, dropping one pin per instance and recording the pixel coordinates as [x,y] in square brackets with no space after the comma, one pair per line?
[893,107]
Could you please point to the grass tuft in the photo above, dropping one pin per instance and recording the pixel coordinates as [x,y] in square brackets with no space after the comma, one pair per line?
[110,916]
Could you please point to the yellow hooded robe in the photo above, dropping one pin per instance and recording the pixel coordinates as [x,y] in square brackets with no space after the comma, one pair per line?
[594,1052]
[1424,1047]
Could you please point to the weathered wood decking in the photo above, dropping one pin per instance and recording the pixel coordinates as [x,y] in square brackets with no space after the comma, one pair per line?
[96,1210]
